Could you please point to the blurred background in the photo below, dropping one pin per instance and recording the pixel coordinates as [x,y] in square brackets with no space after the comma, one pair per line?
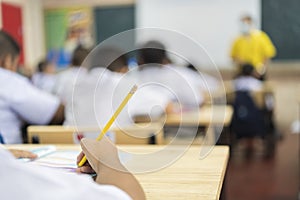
[52,28]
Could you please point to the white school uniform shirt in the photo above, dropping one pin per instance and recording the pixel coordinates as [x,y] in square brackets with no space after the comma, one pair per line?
[27,181]
[21,101]
[175,82]
[247,83]
[44,81]
[202,80]
[64,87]
[65,80]
[98,93]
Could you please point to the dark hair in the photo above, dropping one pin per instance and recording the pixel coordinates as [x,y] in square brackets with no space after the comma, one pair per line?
[247,69]
[79,54]
[8,46]
[191,67]
[109,57]
[152,52]
[42,65]
[246,17]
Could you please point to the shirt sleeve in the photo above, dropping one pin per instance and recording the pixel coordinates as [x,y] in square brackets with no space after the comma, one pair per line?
[33,105]
[234,49]
[35,183]
[268,46]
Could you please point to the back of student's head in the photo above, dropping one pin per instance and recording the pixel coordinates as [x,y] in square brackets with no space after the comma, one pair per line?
[108,57]
[42,65]
[152,52]
[247,18]
[79,54]
[8,46]
[247,69]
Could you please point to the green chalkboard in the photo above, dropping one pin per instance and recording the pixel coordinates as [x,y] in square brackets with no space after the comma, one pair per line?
[55,28]
[113,20]
[281,21]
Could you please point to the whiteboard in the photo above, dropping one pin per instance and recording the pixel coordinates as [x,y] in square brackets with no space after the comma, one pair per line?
[213,24]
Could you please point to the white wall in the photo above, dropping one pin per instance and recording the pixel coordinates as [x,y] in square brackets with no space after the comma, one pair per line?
[33,29]
[34,32]
[211,23]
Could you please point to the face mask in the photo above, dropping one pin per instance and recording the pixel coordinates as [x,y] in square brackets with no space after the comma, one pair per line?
[245,28]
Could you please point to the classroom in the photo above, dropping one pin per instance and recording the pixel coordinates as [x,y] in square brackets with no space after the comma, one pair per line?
[150,99]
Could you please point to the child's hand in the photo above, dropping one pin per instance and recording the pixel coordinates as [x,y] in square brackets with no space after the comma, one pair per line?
[86,168]
[22,154]
[103,158]
[99,154]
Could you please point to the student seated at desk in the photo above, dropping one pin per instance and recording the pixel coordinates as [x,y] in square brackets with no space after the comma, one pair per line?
[27,181]
[179,83]
[99,92]
[65,79]
[45,77]
[19,99]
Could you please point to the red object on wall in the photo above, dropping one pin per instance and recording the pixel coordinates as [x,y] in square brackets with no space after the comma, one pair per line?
[12,24]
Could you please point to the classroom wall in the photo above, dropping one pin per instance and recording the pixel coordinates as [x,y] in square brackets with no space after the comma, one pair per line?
[34,32]
[67,3]
[33,29]
[211,23]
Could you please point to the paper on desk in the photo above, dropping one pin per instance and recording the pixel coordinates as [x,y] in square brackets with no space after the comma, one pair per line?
[60,159]
[64,160]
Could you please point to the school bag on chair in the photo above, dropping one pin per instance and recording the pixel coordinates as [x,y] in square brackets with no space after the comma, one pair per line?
[248,119]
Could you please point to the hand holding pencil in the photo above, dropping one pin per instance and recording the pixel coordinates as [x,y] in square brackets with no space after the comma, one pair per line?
[112,119]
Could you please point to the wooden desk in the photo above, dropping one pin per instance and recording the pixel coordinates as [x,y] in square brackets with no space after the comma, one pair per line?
[134,134]
[187,178]
[207,115]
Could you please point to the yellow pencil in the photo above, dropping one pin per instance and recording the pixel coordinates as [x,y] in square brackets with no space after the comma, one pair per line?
[112,119]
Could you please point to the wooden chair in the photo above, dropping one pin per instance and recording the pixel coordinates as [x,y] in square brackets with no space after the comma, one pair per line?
[135,134]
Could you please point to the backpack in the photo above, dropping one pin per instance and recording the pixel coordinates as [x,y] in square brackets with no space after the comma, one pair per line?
[248,119]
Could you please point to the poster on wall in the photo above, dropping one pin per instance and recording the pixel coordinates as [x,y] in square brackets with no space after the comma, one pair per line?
[65,30]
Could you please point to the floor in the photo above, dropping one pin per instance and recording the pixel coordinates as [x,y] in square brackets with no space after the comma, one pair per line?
[275,178]
[256,177]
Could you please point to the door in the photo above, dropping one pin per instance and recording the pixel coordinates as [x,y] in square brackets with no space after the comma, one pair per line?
[12,24]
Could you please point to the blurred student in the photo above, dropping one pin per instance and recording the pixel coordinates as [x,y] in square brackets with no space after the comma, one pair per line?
[252,46]
[45,77]
[247,81]
[20,101]
[205,81]
[65,79]
[114,181]
[100,91]
[179,83]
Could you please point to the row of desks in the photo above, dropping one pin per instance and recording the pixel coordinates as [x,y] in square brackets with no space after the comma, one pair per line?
[207,116]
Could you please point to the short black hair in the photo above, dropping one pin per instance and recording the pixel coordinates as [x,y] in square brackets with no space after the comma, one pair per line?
[42,65]
[8,45]
[247,17]
[152,52]
[247,69]
[79,54]
[111,58]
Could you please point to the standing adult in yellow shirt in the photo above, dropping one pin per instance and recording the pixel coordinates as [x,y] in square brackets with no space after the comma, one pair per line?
[252,46]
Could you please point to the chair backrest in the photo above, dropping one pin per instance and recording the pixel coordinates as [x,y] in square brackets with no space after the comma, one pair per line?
[135,134]
[248,118]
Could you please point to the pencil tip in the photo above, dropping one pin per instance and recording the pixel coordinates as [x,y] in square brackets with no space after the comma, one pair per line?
[133,89]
